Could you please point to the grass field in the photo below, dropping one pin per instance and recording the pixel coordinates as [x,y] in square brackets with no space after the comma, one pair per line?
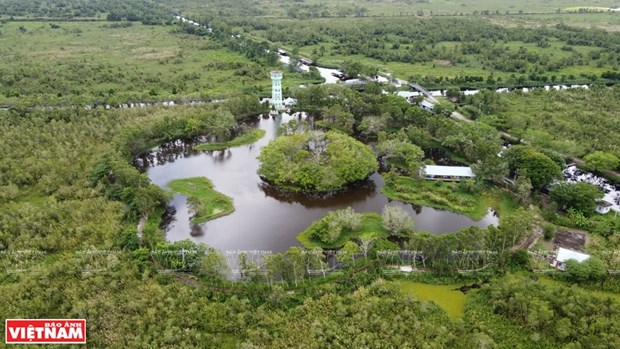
[207,203]
[95,61]
[448,196]
[247,138]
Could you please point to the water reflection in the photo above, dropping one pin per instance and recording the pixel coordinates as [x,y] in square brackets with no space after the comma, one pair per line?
[196,230]
[359,192]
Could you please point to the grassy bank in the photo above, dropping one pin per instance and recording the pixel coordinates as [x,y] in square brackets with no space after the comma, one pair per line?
[371,227]
[208,204]
[247,138]
[448,297]
[449,196]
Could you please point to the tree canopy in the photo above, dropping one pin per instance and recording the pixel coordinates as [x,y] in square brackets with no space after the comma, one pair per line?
[580,196]
[316,161]
[600,160]
[531,163]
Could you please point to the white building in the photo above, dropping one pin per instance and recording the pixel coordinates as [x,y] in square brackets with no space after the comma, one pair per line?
[355,82]
[563,255]
[289,102]
[446,173]
[603,206]
[426,105]
[276,90]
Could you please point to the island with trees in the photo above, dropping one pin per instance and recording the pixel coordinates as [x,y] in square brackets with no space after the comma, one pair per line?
[316,161]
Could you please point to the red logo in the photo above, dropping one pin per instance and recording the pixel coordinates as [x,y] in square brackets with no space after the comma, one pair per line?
[57,331]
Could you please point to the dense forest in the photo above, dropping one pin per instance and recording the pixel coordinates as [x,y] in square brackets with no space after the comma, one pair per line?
[573,122]
[464,48]
[83,228]
[145,11]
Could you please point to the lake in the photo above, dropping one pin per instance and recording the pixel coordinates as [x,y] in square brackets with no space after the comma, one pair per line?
[266,219]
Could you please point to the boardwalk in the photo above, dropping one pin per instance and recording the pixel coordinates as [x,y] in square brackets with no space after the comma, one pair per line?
[424,92]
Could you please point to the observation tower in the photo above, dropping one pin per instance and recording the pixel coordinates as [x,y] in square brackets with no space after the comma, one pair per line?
[276,90]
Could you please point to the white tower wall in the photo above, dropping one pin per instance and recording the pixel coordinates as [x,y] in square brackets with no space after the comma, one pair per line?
[276,90]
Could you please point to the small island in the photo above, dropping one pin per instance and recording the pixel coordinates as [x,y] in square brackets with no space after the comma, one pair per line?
[337,228]
[316,162]
[246,138]
[332,231]
[207,203]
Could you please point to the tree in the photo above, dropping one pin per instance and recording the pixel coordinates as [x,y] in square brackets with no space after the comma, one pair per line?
[365,244]
[312,98]
[580,196]
[395,107]
[8,192]
[219,124]
[244,106]
[352,69]
[475,140]
[529,162]
[592,269]
[329,228]
[212,265]
[372,125]
[523,189]
[295,265]
[315,260]
[356,69]
[248,269]
[346,255]
[348,219]
[453,92]
[274,266]
[600,160]
[419,244]
[549,231]
[396,220]
[335,117]
[492,168]
[146,199]
[517,226]
[443,108]
[402,154]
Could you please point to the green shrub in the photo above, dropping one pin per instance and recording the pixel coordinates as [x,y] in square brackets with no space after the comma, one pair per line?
[329,228]
[549,231]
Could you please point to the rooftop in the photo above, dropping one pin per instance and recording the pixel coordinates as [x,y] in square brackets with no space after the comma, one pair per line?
[407,94]
[458,171]
[564,254]
[427,104]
